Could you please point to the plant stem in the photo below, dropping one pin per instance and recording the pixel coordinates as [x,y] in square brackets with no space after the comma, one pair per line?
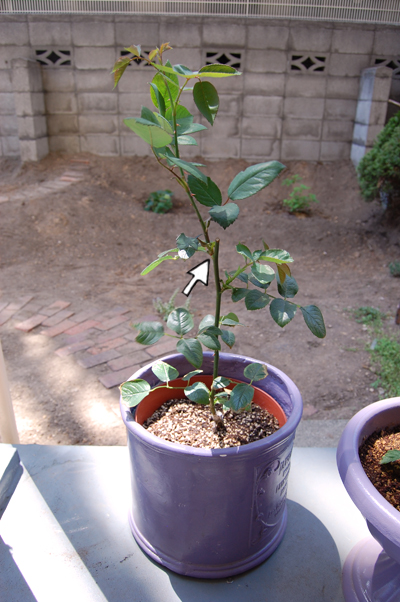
[218,295]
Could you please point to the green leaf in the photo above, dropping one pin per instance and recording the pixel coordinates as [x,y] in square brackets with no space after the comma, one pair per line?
[133,391]
[164,371]
[282,311]
[224,215]
[190,375]
[191,350]
[119,69]
[180,321]
[207,193]
[192,128]
[276,256]
[313,318]
[263,285]
[245,251]
[206,99]
[164,124]
[228,337]
[157,98]
[148,115]
[149,332]
[210,341]
[289,288]
[159,82]
[187,246]
[157,262]
[218,70]
[211,330]
[238,294]
[135,50]
[150,133]
[198,392]
[188,167]
[182,70]
[208,320]
[255,371]
[263,273]
[391,456]
[253,179]
[241,397]
[256,300]
[220,383]
[187,141]
[230,319]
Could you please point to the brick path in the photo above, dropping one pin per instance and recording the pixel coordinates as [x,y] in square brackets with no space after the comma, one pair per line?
[94,337]
[75,173]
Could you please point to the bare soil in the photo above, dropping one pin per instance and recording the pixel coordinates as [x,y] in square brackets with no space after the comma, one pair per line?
[88,243]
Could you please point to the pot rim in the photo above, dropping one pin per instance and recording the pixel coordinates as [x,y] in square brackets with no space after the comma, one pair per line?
[375,508]
[286,431]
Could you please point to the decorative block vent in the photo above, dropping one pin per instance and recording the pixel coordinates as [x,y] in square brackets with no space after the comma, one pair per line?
[53,58]
[393,63]
[308,63]
[233,59]
[137,62]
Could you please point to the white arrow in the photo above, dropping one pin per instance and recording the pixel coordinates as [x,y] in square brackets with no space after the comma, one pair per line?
[200,274]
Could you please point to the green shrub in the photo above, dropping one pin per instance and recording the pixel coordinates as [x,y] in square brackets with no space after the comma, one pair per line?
[298,200]
[394,268]
[379,169]
[386,357]
[159,202]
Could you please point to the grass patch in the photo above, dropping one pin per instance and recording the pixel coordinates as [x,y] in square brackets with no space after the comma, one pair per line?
[384,350]
[386,359]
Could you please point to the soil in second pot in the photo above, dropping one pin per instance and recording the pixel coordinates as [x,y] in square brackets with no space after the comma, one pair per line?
[189,423]
[385,477]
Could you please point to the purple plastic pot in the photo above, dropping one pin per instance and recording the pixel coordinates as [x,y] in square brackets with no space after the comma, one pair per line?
[372,570]
[212,513]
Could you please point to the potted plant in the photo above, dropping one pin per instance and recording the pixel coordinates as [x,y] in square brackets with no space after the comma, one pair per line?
[372,569]
[209,512]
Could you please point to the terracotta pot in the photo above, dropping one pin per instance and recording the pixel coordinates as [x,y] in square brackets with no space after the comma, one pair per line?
[372,569]
[212,513]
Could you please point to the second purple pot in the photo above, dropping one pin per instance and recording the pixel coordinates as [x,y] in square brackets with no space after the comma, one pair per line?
[212,513]
[372,571]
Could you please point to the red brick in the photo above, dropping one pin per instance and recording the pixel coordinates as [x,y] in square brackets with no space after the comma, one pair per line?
[88,361]
[84,315]
[82,327]
[31,323]
[115,311]
[119,331]
[6,314]
[107,345]
[55,307]
[168,346]
[130,347]
[58,329]
[113,379]
[128,360]
[113,322]
[19,304]
[58,317]
[3,305]
[74,347]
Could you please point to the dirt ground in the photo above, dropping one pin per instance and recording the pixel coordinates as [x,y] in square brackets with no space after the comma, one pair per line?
[87,244]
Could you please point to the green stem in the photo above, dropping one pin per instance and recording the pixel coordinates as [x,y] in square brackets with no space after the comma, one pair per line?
[218,295]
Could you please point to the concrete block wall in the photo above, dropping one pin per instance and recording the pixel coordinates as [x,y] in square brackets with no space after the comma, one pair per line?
[297,97]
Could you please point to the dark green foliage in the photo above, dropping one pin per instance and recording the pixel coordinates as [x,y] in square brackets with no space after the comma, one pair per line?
[159,202]
[379,169]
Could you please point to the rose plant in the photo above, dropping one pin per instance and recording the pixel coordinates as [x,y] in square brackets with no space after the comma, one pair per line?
[167,129]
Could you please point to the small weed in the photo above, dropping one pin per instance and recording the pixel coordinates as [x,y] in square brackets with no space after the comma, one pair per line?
[164,308]
[394,268]
[370,316]
[386,357]
[298,200]
[159,201]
